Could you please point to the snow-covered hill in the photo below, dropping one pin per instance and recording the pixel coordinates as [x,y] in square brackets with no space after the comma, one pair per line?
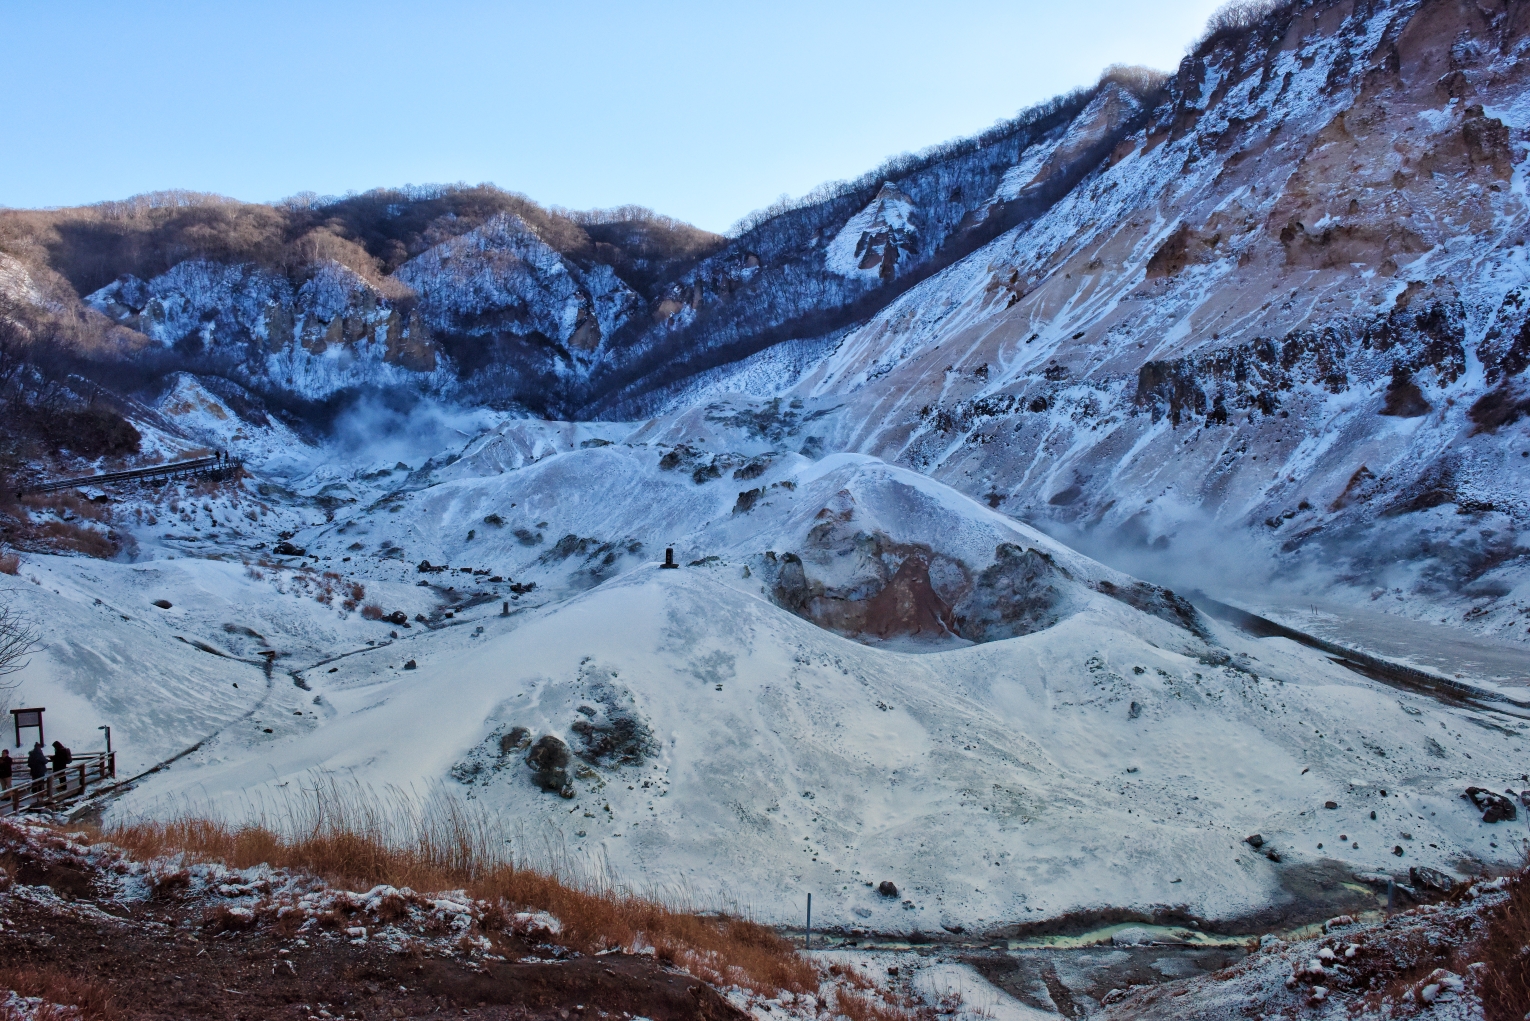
[857,674]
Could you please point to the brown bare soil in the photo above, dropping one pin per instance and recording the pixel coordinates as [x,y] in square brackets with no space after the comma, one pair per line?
[174,953]
[158,962]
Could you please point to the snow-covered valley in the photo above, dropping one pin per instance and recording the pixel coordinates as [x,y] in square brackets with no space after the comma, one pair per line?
[1107,530]
[857,675]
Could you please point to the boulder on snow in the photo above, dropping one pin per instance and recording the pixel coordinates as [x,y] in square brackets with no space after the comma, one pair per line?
[163,604]
[548,760]
[1256,841]
[286,549]
[397,617]
[410,665]
[887,889]
[1494,807]
[1425,878]
[514,741]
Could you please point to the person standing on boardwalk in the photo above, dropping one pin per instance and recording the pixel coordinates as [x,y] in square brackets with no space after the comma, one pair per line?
[37,765]
[6,762]
[61,756]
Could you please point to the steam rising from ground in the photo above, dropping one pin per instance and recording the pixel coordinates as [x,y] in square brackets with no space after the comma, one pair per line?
[392,427]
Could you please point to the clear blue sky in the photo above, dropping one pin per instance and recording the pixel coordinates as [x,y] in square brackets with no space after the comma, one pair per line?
[700,110]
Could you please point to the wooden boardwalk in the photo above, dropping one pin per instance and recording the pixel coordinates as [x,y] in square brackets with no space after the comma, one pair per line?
[85,773]
[196,467]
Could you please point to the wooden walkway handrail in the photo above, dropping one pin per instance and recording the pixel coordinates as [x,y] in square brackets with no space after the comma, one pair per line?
[57,786]
[195,466]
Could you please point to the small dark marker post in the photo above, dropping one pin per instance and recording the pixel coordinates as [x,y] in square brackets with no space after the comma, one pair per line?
[669,559]
[807,940]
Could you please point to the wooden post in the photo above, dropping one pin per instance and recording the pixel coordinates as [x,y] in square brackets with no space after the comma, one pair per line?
[16,800]
[808,934]
[82,778]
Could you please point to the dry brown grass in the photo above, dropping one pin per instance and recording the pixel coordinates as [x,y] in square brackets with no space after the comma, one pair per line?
[10,563]
[67,535]
[68,503]
[1506,952]
[53,986]
[372,611]
[354,838]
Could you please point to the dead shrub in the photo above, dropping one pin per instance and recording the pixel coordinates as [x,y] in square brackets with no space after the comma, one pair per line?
[861,1006]
[75,538]
[169,885]
[53,986]
[372,611]
[65,504]
[222,918]
[10,563]
[290,923]
[495,918]
[1506,952]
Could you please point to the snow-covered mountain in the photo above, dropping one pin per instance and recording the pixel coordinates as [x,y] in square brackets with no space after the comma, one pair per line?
[1286,311]
[1278,294]
[1258,327]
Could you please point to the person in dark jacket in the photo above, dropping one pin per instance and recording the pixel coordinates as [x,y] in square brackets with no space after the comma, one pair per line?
[6,763]
[61,756]
[37,764]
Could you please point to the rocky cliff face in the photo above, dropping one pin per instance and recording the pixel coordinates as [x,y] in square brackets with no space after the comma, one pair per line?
[1291,304]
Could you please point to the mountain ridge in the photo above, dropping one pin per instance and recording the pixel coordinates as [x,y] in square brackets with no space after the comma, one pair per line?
[1279,293]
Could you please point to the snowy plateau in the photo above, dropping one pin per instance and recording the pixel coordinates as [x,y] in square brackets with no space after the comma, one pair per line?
[1115,523]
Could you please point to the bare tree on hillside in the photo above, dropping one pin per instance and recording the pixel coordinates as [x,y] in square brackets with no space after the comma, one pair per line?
[19,638]
[1238,15]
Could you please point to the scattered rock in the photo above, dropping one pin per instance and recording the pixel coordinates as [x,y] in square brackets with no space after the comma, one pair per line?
[887,889]
[286,549]
[1494,807]
[163,604]
[1330,804]
[409,665]
[1256,841]
[610,731]
[397,617]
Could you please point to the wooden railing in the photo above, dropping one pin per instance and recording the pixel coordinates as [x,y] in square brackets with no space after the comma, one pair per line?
[179,469]
[58,786]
